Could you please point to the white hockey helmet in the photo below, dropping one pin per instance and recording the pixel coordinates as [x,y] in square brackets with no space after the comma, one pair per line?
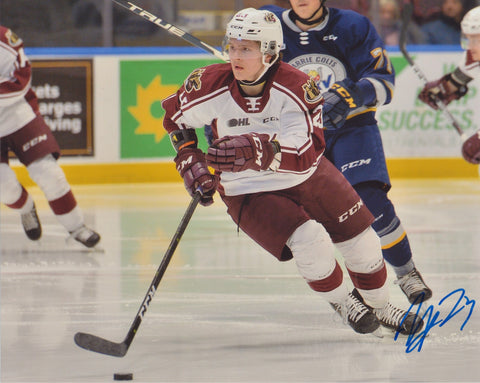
[471,22]
[256,25]
[471,26]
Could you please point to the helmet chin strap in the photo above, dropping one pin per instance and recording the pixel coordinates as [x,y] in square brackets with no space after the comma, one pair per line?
[260,78]
[310,20]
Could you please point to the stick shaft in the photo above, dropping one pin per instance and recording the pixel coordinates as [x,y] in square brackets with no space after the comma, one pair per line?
[162,268]
[170,28]
[104,346]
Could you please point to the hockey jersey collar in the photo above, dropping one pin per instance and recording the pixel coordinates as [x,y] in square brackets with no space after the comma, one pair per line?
[254,104]
[290,24]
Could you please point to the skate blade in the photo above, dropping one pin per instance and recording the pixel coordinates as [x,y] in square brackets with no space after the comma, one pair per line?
[393,333]
[378,332]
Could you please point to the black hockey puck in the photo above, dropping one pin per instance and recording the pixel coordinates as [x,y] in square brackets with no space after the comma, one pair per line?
[123,376]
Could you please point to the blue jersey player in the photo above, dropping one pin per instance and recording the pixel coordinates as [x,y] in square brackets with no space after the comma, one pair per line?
[342,51]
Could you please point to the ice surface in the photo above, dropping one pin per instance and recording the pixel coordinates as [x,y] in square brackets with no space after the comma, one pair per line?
[225,311]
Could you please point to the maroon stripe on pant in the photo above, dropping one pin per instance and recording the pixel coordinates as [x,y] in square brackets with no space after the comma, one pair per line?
[18,204]
[64,204]
[369,281]
[329,283]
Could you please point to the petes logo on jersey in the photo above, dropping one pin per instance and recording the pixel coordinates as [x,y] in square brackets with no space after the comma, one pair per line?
[312,93]
[323,69]
[13,39]
[193,81]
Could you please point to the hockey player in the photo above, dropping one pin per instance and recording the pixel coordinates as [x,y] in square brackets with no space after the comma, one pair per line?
[343,53]
[23,131]
[267,152]
[453,85]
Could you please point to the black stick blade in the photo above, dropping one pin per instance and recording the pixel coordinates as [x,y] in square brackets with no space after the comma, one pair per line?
[100,345]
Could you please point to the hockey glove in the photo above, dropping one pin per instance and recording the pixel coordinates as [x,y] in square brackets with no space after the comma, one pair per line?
[191,165]
[471,149]
[238,153]
[339,100]
[445,90]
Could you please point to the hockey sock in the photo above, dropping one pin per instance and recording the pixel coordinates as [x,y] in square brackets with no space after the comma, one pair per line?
[48,175]
[24,203]
[393,238]
[67,211]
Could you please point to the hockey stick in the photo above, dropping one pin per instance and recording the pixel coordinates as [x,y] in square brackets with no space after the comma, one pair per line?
[406,17]
[170,28]
[103,346]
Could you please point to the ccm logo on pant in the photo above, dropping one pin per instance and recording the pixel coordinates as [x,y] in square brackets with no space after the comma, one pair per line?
[34,141]
[350,211]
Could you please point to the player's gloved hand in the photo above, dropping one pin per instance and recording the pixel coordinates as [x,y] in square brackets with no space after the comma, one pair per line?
[191,165]
[339,100]
[444,90]
[238,153]
[471,149]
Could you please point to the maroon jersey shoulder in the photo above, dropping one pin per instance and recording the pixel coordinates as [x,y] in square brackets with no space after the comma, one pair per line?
[299,83]
[198,86]
[20,67]
[207,80]
[10,38]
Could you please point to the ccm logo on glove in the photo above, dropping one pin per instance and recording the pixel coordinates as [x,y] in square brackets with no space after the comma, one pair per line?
[259,151]
[347,97]
[183,163]
[191,164]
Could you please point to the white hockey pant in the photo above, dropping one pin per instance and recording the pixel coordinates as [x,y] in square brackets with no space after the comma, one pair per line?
[313,252]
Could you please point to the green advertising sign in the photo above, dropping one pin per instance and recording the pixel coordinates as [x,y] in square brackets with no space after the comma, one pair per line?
[143,85]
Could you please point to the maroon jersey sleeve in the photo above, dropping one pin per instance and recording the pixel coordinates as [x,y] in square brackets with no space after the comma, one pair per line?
[15,68]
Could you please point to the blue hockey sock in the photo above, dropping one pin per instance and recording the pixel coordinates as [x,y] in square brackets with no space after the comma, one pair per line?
[395,245]
[394,240]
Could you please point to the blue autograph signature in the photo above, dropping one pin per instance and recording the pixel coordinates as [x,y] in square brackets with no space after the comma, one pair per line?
[415,340]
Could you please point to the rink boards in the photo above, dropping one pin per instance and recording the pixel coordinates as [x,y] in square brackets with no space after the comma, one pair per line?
[109,121]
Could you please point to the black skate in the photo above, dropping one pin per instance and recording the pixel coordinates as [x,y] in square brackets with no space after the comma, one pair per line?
[395,319]
[414,287]
[356,314]
[31,224]
[399,320]
[86,236]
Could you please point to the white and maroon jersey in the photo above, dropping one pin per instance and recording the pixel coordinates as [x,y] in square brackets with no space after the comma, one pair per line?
[468,66]
[17,100]
[289,110]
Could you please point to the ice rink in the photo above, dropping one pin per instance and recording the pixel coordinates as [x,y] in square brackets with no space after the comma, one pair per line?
[226,311]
